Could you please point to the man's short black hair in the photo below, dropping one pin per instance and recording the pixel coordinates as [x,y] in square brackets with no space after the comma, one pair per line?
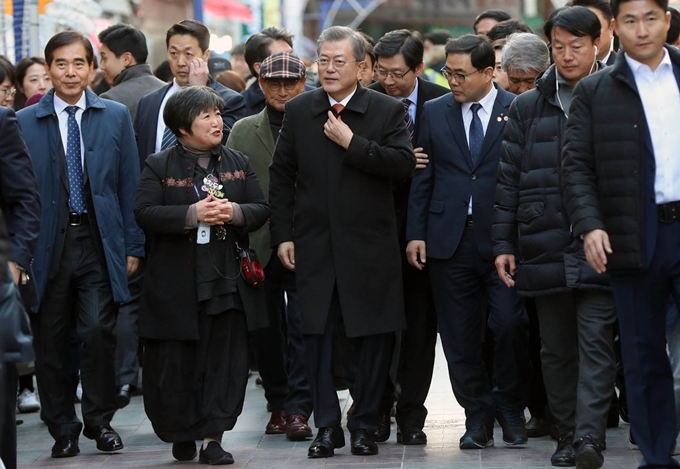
[192,28]
[674,31]
[66,38]
[663,4]
[257,45]
[438,37]
[578,21]
[481,52]
[507,27]
[122,38]
[404,42]
[498,15]
[185,105]
[603,6]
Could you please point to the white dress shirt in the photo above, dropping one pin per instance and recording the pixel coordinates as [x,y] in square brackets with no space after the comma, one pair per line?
[62,115]
[484,114]
[160,126]
[344,101]
[661,101]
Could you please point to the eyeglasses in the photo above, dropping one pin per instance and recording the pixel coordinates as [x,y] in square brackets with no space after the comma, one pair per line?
[8,93]
[458,77]
[395,75]
[337,63]
[289,84]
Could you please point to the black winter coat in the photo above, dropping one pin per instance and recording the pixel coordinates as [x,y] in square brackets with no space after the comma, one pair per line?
[529,219]
[168,307]
[608,165]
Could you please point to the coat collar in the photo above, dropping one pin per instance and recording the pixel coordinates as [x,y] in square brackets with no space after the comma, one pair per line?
[262,130]
[358,103]
[46,105]
[622,71]
[135,71]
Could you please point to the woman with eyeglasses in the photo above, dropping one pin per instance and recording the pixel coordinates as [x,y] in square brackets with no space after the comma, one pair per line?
[7,82]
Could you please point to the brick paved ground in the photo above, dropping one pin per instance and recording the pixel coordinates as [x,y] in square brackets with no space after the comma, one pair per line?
[254,450]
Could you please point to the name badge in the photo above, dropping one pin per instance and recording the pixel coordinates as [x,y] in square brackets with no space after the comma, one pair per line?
[203,236]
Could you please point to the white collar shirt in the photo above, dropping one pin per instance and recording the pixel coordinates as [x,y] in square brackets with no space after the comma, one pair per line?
[660,98]
[160,126]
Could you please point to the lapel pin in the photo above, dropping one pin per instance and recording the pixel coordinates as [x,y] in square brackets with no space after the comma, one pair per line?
[498,119]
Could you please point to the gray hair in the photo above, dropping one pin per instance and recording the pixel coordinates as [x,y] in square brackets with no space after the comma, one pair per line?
[340,33]
[525,52]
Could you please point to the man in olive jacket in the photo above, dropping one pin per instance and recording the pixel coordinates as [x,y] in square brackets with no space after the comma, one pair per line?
[281,77]
[620,176]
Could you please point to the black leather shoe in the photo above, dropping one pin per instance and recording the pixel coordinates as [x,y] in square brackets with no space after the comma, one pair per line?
[476,437]
[214,455]
[564,454]
[407,435]
[362,444]
[327,440]
[123,395]
[537,427]
[106,437]
[184,450]
[65,447]
[513,424]
[382,434]
[588,453]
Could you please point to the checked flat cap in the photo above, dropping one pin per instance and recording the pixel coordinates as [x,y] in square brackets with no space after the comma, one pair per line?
[282,66]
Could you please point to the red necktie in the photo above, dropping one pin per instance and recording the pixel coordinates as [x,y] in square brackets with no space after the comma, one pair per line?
[337,108]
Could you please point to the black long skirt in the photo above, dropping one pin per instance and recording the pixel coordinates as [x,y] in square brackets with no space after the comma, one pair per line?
[193,389]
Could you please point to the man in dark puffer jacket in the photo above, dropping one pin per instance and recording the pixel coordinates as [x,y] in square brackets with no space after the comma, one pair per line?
[575,306]
[620,176]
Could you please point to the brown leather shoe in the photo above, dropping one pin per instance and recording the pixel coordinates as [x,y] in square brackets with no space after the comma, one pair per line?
[277,423]
[297,428]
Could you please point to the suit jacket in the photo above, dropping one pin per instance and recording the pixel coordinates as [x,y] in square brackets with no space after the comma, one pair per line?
[440,193]
[426,91]
[19,199]
[337,206]
[253,137]
[146,121]
[131,85]
[111,175]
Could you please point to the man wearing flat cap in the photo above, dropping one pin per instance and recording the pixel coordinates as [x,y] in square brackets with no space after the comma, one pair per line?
[282,77]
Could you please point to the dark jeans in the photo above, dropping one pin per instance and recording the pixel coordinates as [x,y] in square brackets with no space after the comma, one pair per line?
[579,366]
[459,284]
[280,356]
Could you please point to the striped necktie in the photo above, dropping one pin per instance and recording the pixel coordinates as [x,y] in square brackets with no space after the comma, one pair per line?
[169,139]
[407,117]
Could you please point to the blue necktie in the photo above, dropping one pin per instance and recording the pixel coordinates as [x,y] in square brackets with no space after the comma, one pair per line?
[407,117]
[74,164]
[476,136]
[169,139]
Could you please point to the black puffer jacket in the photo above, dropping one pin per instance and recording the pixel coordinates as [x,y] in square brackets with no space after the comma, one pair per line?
[608,169]
[530,220]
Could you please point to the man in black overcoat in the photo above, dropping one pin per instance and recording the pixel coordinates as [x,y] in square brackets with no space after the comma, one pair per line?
[333,219]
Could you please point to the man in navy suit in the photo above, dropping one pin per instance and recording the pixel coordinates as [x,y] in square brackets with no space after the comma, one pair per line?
[449,227]
[620,174]
[399,65]
[188,53]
